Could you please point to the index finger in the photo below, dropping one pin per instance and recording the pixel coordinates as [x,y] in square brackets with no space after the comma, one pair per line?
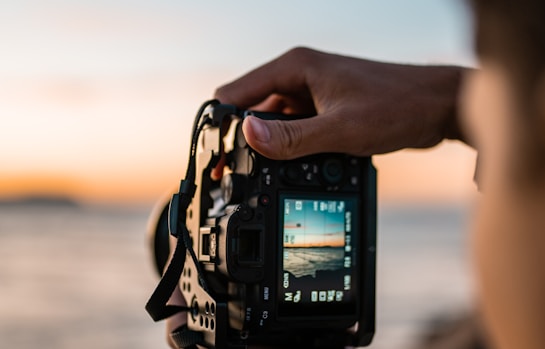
[285,75]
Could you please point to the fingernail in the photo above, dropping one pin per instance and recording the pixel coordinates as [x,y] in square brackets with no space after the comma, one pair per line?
[259,129]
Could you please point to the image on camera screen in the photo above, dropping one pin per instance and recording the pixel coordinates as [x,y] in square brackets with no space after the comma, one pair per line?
[317,252]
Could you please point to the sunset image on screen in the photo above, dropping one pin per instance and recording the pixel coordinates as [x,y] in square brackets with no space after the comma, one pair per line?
[316,236]
[311,223]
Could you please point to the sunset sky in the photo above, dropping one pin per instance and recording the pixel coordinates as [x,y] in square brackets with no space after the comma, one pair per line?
[96,97]
[314,223]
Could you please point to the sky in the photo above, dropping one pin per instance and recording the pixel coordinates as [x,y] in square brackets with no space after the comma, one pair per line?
[314,223]
[96,97]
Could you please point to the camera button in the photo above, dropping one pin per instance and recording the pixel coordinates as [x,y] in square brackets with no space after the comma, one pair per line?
[354,180]
[264,200]
[332,171]
[245,212]
[292,172]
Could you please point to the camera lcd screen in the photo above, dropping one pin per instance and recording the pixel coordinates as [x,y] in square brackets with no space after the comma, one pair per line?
[318,252]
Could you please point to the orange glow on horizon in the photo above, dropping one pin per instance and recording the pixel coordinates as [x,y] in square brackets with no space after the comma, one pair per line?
[38,185]
[440,175]
[329,243]
[131,191]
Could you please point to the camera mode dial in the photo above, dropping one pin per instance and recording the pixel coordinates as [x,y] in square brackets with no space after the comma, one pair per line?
[232,188]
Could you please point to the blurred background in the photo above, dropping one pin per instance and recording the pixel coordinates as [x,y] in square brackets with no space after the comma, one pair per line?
[96,102]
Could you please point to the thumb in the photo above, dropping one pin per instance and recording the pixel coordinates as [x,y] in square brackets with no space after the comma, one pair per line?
[283,140]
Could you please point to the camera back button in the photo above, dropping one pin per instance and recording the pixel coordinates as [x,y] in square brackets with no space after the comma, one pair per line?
[264,199]
[245,212]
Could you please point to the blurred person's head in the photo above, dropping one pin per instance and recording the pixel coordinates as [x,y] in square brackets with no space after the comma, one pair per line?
[507,101]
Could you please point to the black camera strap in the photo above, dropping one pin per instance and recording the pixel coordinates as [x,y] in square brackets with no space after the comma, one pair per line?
[157,305]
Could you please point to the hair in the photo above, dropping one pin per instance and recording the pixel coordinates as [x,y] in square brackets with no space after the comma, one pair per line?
[512,33]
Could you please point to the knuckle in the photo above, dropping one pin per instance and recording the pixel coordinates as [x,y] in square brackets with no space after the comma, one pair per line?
[299,51]
[301,55]
[221,93]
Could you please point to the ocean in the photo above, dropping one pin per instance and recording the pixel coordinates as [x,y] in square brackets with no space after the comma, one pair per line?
[78,277]
[303,261]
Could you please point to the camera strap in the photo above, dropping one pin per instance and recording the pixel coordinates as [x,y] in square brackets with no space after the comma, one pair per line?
[157,305]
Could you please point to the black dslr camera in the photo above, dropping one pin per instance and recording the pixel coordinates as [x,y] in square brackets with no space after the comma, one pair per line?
[277,253]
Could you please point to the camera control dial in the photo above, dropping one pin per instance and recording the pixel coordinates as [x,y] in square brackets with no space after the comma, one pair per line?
[332,171]
[232,188]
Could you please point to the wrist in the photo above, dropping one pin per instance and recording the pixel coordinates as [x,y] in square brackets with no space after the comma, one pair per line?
[454,129]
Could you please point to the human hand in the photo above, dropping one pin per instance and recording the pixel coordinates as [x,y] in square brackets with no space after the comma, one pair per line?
[362,107]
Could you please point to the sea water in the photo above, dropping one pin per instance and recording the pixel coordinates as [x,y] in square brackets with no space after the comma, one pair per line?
[78,277]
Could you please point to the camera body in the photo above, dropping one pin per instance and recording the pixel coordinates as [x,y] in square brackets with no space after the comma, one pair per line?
[288,248]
